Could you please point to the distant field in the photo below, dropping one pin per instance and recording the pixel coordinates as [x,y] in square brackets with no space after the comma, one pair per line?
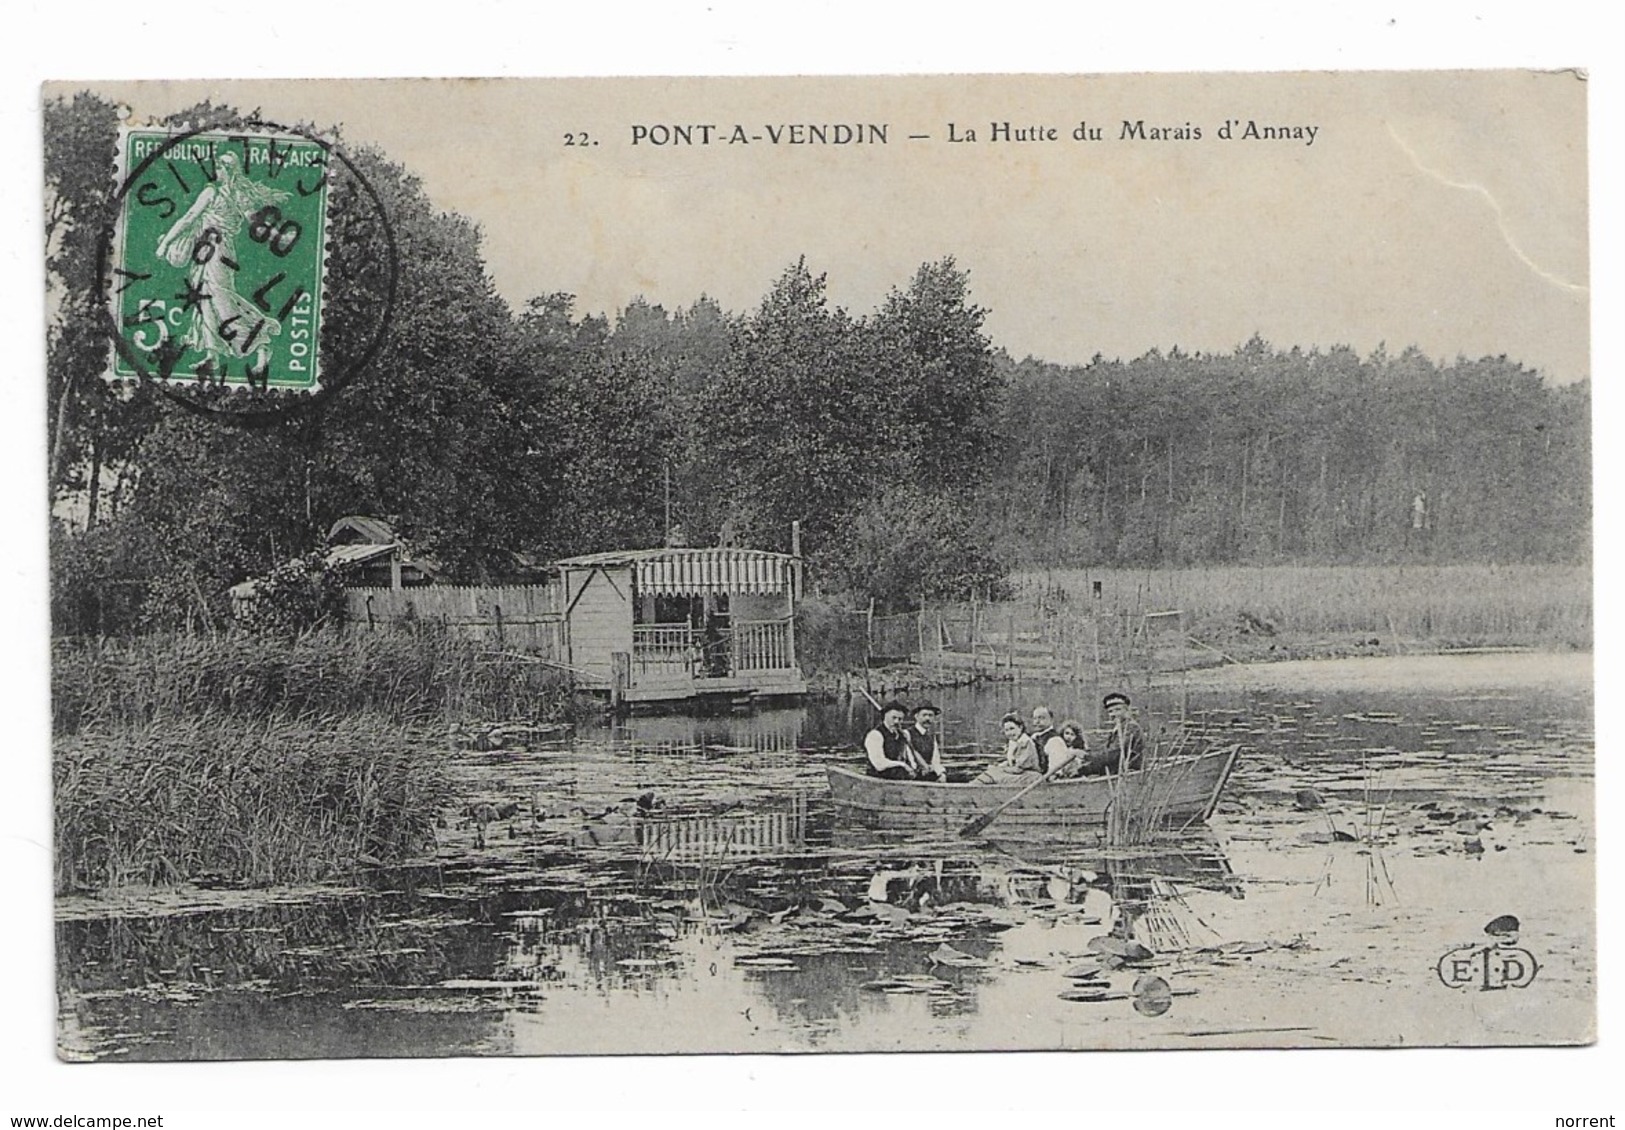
[1462,604]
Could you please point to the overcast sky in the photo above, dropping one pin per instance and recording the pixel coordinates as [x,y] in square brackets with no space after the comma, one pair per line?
[1444,210]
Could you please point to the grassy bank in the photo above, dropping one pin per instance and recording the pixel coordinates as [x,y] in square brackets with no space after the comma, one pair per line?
[240,801]
[247,760]
[401,676]
[1460,605]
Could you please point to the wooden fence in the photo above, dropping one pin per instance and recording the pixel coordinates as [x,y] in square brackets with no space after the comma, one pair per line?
[1026,636]
[526,618]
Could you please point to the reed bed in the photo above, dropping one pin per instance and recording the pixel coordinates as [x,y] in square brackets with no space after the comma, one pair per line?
[1542,605]
[401,676]
[237,801]
[1138,809]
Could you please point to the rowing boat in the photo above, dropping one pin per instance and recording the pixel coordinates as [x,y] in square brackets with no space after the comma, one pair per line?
[1172,793]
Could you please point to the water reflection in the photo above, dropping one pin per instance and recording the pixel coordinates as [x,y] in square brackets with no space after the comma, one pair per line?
[715,840]
[815,933]
[777,730]
[737,914]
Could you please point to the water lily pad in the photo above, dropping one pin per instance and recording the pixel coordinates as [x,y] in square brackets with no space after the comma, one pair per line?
[948,955]
[1091,995]
[1152,996]
[1125,949]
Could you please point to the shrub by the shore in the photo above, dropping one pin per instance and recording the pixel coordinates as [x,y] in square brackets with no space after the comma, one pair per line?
[829,638]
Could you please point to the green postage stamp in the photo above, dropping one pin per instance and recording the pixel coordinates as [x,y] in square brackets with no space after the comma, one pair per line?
[218,257]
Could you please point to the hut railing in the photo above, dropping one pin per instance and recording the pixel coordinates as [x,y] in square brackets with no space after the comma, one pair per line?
[762,645]
[664,648]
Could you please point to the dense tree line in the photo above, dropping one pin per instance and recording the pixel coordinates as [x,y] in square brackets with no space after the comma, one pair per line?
[1267,455]
[919,461]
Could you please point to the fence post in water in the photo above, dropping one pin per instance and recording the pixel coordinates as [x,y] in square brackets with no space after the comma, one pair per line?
[973,634]
[869,636]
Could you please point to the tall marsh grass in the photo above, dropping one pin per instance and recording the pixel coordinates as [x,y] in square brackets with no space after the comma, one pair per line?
[250,760]
[396,675]
[243,801]
[1547,605]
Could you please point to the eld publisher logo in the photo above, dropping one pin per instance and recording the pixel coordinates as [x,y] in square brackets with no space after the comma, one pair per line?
[1500,965]
[1488,967]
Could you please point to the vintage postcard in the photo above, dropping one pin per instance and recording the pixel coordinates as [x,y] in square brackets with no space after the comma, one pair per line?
[946,563]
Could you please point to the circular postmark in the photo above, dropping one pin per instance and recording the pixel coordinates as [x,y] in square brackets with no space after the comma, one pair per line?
[246,271]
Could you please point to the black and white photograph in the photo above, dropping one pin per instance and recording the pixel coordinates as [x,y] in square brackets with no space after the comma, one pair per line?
[712,567]
[914,564]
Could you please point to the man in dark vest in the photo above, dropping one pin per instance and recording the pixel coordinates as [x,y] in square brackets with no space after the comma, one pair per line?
[926,743]
[1043,732]
[887,747]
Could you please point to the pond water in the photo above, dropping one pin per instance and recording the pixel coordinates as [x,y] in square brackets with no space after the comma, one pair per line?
[747,917]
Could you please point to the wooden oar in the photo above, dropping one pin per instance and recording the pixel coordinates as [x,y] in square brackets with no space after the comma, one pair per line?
[979,825]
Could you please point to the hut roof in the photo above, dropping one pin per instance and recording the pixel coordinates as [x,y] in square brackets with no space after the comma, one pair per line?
[670,571]
[359,528]
[359,554]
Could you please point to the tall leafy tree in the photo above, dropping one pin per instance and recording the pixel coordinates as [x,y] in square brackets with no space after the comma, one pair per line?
[937,365]
[92,426]
[795,426]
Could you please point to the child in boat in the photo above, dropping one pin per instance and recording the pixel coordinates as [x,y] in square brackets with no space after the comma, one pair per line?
[1077,751]
[1020,756]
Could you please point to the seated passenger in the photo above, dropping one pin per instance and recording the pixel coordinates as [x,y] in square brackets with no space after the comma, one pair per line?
[1053,752]
[887,748]
[1075,758]
[926,743]
[1125,741]
[1020,760]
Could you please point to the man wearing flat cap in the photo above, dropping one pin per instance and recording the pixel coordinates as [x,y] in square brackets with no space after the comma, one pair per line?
[1125,741]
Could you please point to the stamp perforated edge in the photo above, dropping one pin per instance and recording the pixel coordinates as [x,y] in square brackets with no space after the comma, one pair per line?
[124,173]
